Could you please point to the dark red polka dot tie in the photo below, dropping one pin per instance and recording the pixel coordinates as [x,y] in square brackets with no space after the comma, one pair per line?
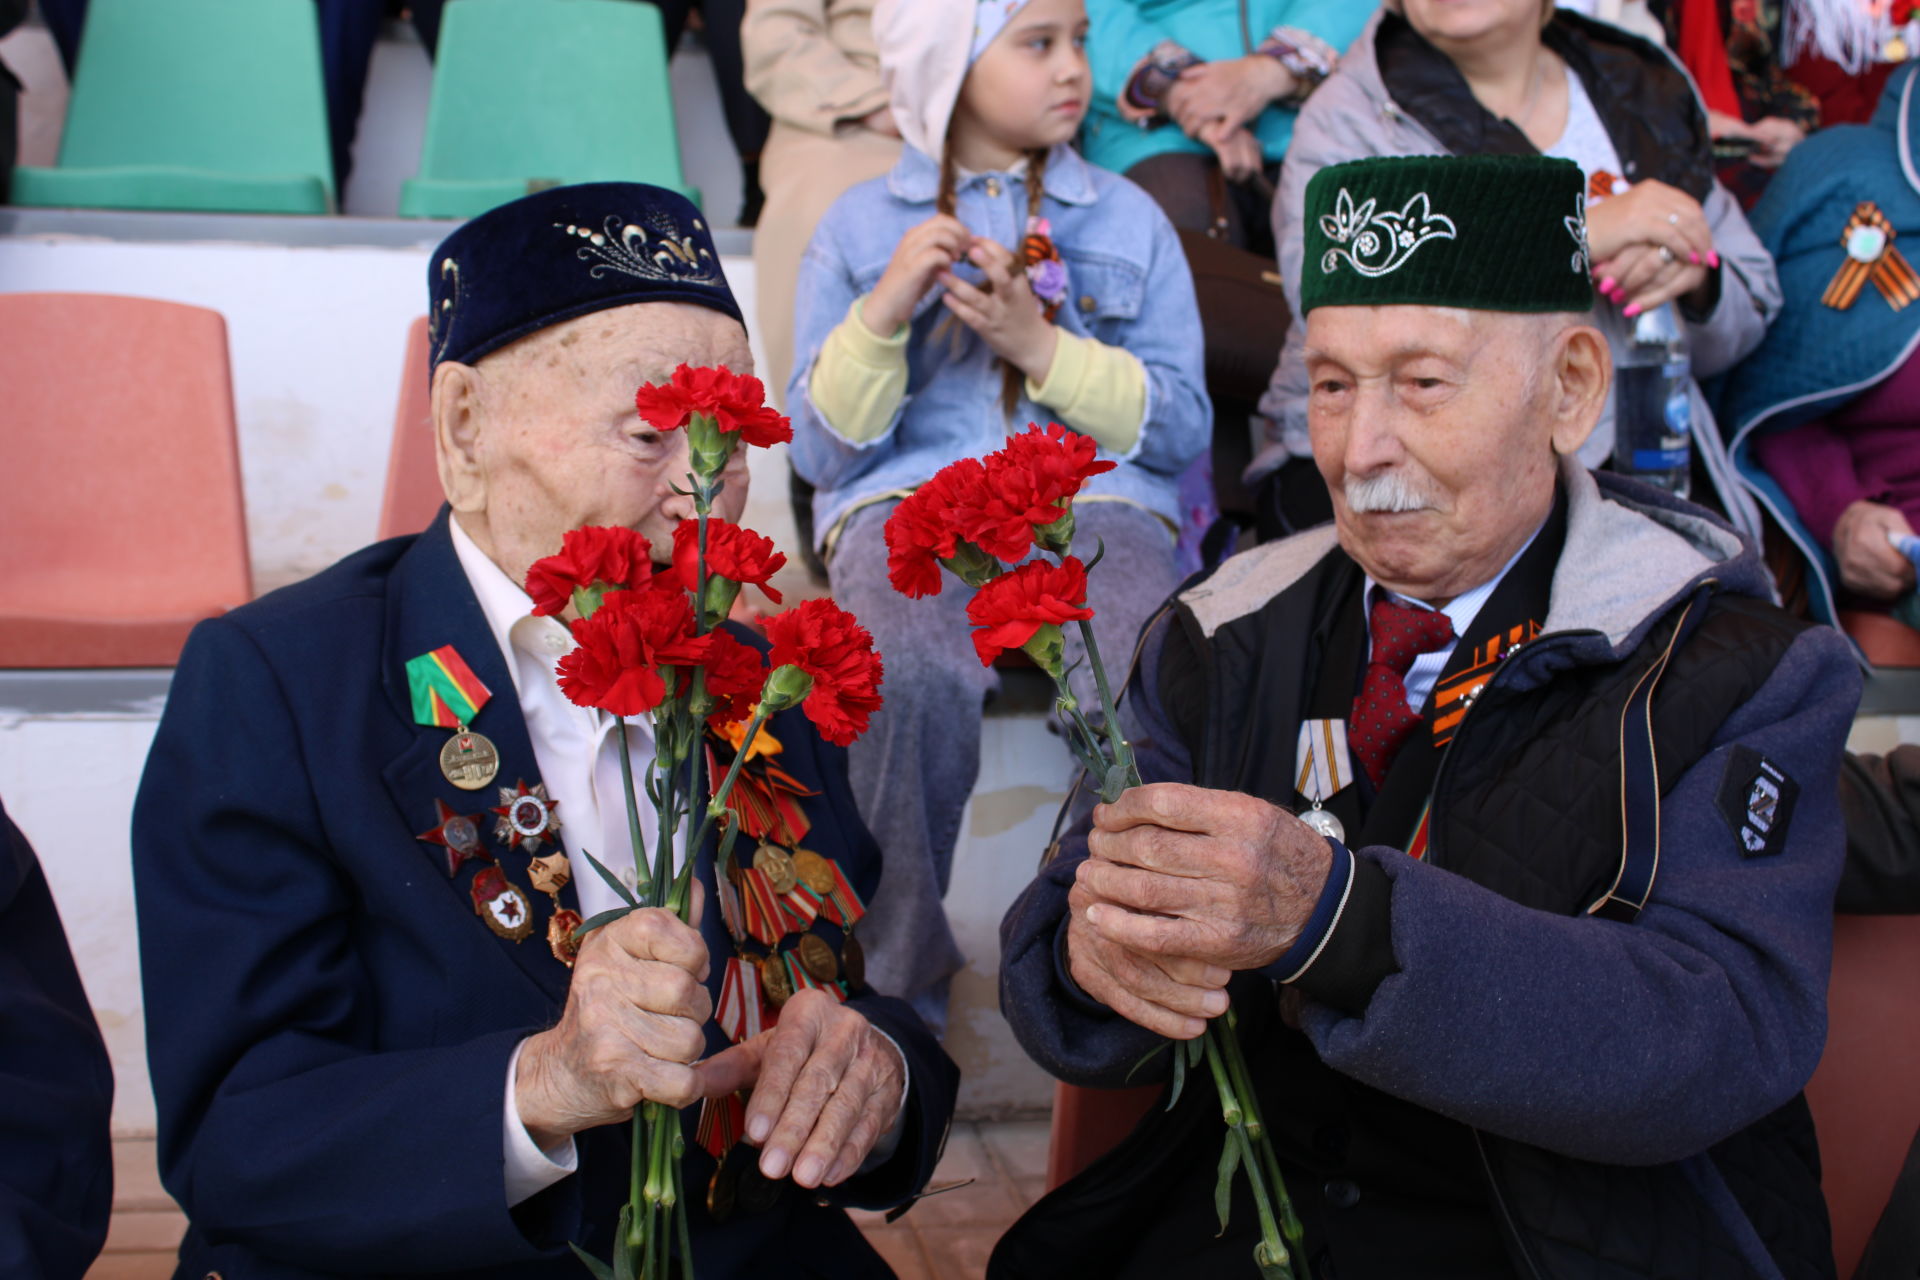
[1381,718]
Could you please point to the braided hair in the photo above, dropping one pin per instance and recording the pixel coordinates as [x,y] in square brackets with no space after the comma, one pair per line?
[947,201]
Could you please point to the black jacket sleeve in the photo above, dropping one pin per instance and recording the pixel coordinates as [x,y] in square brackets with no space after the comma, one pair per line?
[1880,802]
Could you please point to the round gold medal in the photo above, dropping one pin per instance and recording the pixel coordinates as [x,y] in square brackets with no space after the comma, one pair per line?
[817,956]
[722,1192]
[469,760]
[774,980]
[776,864]
[815,871]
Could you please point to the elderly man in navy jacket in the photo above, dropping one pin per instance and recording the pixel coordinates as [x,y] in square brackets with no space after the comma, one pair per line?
[373,1050]
[1531,984]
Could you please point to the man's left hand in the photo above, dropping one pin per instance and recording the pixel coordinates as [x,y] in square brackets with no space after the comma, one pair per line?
[826,1088]
[1215,876]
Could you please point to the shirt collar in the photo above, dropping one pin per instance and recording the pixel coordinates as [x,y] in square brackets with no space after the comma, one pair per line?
[1463,608]
[501,600]
[916,178]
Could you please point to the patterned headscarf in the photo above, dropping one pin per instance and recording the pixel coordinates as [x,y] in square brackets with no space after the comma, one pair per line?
[926,47]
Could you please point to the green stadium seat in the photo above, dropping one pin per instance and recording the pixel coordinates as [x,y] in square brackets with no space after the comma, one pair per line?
[538,93]
[204,105]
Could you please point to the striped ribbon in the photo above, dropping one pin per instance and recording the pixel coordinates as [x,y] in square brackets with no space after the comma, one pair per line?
[1888,269]
[445,691]
[722,1121]
[741,1012]
[843,905]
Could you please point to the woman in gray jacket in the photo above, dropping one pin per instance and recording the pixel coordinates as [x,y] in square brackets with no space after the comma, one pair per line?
[1521,77]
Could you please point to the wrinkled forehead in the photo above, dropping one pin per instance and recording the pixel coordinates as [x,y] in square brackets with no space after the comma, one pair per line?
[634,344]
[1405,330]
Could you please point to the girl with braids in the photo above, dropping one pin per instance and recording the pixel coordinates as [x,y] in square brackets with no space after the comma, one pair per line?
[992,279]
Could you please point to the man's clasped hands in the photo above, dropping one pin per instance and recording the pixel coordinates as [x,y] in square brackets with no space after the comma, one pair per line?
[1182,888]
[826,1085]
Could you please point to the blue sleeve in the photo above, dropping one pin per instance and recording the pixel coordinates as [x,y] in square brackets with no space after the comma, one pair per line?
[1637,1043]
[825,291]
[1070,1035]
[56,1085]
[1168,340]
[1118,36]
[282,1128]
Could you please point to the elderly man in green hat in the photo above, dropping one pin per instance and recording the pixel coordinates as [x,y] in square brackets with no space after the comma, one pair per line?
[1502,809]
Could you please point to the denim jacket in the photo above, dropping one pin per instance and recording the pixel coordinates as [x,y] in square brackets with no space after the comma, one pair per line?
[1128,286]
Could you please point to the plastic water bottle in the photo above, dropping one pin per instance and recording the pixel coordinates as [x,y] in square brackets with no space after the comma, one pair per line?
[1652,399]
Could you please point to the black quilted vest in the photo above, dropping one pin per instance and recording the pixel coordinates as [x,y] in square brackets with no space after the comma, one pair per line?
[1532,770]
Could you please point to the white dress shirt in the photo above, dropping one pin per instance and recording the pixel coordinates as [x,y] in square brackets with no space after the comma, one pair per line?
[1461,611]
[579,761]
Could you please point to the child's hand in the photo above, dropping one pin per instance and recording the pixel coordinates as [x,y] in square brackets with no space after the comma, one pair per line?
[1008,317]
[923,254]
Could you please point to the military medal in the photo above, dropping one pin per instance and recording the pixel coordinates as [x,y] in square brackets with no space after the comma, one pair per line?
[501,905]
[1868,241]
[447,695]
[1323,768]
[817,958]
[550,875]
[525,817]
[776,864]
[458,833]
[853,962]
[775,980]
[814,871]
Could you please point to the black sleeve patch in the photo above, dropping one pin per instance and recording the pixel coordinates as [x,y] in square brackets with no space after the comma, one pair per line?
[1756,799]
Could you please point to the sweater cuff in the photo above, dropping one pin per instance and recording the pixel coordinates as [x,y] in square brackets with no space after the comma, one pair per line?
[1352,952]
[1097,389]
[859,377]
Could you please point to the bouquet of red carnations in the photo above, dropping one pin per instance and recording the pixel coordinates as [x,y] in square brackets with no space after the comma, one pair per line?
[1003,525]
[649,643]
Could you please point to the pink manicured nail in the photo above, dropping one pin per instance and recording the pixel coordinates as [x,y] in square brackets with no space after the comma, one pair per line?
[1695,258]
[1631,311]
[1713,259]
[1607,286]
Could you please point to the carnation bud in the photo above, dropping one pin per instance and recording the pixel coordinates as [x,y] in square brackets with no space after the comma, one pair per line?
[972,565]
[1058,536]
[1048,649]
[587,600]
[721,593]
[786,687]
[708,445]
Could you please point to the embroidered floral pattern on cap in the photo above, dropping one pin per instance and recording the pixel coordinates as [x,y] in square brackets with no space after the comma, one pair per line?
[1378,243]
[659,252]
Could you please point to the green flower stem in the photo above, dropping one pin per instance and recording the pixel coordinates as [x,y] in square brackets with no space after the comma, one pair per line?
[1290,1226]
[1122,752]
[1235,1115]
[636,1173]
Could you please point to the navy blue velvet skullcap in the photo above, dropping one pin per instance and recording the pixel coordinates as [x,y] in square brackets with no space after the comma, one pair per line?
[565,252]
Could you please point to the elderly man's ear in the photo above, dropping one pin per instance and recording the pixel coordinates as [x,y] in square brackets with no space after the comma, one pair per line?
[456,435]
[1582,370]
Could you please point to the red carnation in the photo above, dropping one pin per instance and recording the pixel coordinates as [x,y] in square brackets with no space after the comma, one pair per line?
[1009,611]
[737,404]
[624,647]
[1030,483]
[735,672]
[836,653]
[589,557]
[929,524]
[739,555]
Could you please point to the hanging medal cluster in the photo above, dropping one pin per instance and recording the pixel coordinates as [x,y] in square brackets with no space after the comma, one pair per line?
[446,694]
[783,907]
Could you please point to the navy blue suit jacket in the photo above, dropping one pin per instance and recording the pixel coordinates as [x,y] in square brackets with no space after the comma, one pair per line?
[56,1086]
[328,1021]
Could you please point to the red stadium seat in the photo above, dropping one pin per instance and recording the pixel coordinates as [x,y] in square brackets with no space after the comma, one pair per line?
[1088,1123]
[413,495]
[124,515]
[1885,640]
[1865,1105]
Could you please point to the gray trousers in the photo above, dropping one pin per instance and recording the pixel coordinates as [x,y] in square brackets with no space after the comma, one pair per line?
[915,767]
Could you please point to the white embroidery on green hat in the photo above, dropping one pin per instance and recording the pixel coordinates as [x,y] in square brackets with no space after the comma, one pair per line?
[1365,233]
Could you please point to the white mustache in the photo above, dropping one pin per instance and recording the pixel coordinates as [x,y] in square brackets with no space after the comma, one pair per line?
[1391,491]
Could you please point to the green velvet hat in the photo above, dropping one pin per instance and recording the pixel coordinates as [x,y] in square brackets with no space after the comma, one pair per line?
[1490,233]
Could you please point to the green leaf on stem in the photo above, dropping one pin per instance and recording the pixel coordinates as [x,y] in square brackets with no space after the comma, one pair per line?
[1099,553]
[1223,1182]
[601,1271]
[601,920]
[1179,1079]
[625,1252]
[1116,780]
[1147,1057]
[1195,1048]
[613,881]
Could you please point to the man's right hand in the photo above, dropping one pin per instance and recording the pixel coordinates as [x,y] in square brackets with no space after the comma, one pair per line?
[1172,997]
[922,254]
[1869,563]
[633,1027]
